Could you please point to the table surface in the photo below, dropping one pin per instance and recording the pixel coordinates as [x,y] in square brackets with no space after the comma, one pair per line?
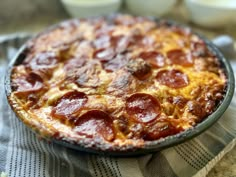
[227,165]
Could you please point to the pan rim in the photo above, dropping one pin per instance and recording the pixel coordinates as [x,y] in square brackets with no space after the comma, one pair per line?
[156,145]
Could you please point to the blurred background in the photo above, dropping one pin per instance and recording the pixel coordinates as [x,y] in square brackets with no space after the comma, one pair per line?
[29,15]
[212,17]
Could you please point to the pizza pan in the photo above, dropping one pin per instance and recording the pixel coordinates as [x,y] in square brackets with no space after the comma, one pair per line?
[149,146]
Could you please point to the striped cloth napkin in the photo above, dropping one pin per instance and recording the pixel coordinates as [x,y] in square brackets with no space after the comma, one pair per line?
[23,154]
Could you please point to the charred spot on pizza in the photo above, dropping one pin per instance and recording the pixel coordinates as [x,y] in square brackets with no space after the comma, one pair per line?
[139,68]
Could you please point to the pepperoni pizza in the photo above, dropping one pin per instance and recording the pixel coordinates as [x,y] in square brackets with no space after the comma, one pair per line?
[116,82]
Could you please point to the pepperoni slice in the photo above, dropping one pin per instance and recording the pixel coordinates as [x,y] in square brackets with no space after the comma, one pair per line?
[69,104]
[160,130]
[156,59]
[74,63]
[104,54]
[102,41]
[143,107]
[172,78]
[118,62]
[178,57]
[95,123]
[120,43]
[137,39]
[27,84]
[43,60]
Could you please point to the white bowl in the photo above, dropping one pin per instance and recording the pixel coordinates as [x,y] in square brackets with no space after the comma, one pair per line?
[212,13]
[89,8]
[149,7]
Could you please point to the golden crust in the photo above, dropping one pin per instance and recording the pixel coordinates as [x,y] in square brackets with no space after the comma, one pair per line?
[114,83]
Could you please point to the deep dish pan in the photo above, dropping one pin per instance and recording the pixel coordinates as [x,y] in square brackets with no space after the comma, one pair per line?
[147,146]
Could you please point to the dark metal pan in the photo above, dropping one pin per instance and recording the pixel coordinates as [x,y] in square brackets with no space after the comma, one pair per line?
[149,146]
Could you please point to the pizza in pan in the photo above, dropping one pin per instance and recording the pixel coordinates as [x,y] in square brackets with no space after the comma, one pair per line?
[115,82]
